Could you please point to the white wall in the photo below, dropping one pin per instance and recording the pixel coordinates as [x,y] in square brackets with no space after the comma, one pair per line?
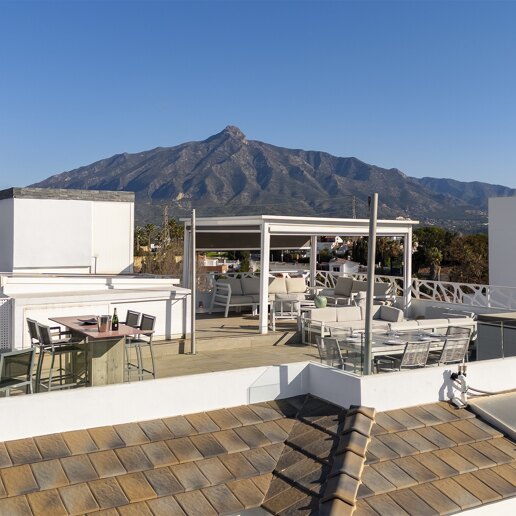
[502,241]
[66,235]
[6,234]
[112,237]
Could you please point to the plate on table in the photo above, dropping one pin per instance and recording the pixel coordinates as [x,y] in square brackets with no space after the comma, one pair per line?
[394,342]
[89,321]
[433,334]
[424,339]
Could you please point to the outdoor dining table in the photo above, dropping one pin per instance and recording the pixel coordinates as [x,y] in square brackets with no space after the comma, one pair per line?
[104,350]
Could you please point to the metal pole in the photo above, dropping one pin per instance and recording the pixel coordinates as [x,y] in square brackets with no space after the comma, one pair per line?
[193,285]
[371,253]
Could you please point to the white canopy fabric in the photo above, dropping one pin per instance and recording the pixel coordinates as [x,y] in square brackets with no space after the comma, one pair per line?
[266,232]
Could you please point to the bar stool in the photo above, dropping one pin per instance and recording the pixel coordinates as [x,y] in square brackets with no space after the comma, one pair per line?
[131,319]
[63,349]
[140,340]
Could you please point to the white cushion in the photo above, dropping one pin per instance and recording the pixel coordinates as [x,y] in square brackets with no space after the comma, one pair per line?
[250,285]
[241,300]
[343,286]
[436,312]
[295,285]
[381,288]
[349,313]
[234,283]
[328,314]
[277,286]
[390,314]
[404,325]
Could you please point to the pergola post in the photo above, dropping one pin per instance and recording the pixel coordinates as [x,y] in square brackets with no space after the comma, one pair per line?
[407,270]
[265,250]
[186,257]
[313,259]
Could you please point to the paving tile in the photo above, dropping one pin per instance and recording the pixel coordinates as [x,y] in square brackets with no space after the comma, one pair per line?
[238,465]
[278,485]
[265,412]
[3,492]
[417,441]
[455,492]
[159,454]
[496,482]
[505,445]
[106,438]
[207,445]
[230,441]
[79,469]
[377,483]
[436,437]
[245,415]
[136,487]
[435,499]
[105,512]
[252,436]
[79,441]
[492,452]
[17,505]
[455,460]
[49,474]
[263,482]
[394,474]
[19,480]
[459,413]
[456,435]
[165,506]
[336,506]
[284,501]
[437,409]
[317,443]
[275,450]
[331,424]
[485,427]
[195,503]
[224,419]
[397,445]
[471,454]
[359,423]
[436,465]
[507,472]
[78,499]
[364,509]
[52,446]
[131,434]
[5,460]
[469,428]
[108,493]
[163,481]
[349,463]
[405,418]
[299,470]
[23,451]
[411,503]
[106,463]
[315,480]
[184,449]
[190,476]
[286,424]
[222,499]
[288,407]
[475,486]
[289,457]
[215,471]
[272,431]
[415,469]
[387,422]
[156,430]
[246,492]
[384,504]
[425,417]
[46,502]
[135,509]
[179,426]
[260,459]
[133,459]
[202,423]
[376,449]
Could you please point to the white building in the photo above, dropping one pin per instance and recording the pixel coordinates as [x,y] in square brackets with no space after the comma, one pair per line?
[502,241]
[45,230]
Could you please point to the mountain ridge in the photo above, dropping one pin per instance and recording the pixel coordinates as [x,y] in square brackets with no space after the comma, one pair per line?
[227,174]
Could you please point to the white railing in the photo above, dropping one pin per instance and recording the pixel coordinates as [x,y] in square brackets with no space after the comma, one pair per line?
[437,291]
[5,324]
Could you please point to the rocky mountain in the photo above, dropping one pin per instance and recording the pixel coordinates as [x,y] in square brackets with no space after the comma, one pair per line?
[227,174]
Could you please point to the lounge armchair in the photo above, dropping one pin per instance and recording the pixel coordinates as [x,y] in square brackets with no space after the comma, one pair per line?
[347,289]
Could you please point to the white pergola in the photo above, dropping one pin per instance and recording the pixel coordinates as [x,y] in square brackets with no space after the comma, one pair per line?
[267,232]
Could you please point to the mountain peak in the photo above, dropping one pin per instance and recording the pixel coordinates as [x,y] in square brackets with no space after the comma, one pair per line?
[234,132]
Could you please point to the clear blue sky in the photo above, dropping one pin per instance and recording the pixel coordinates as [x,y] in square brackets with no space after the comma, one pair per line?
[428,87]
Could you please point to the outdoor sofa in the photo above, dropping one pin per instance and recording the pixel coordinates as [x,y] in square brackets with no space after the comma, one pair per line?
[245,291]
[347,289]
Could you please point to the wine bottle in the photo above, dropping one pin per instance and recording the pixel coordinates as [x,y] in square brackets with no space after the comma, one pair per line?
[114,321]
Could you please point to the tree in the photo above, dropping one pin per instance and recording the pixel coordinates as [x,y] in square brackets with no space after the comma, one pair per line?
[359,251]
[430,241]
[434,257]
[469,255]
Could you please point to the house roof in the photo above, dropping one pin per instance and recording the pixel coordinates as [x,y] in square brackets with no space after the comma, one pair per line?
[302,455]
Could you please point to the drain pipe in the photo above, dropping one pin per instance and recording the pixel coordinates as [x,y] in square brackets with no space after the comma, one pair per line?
[371,253]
